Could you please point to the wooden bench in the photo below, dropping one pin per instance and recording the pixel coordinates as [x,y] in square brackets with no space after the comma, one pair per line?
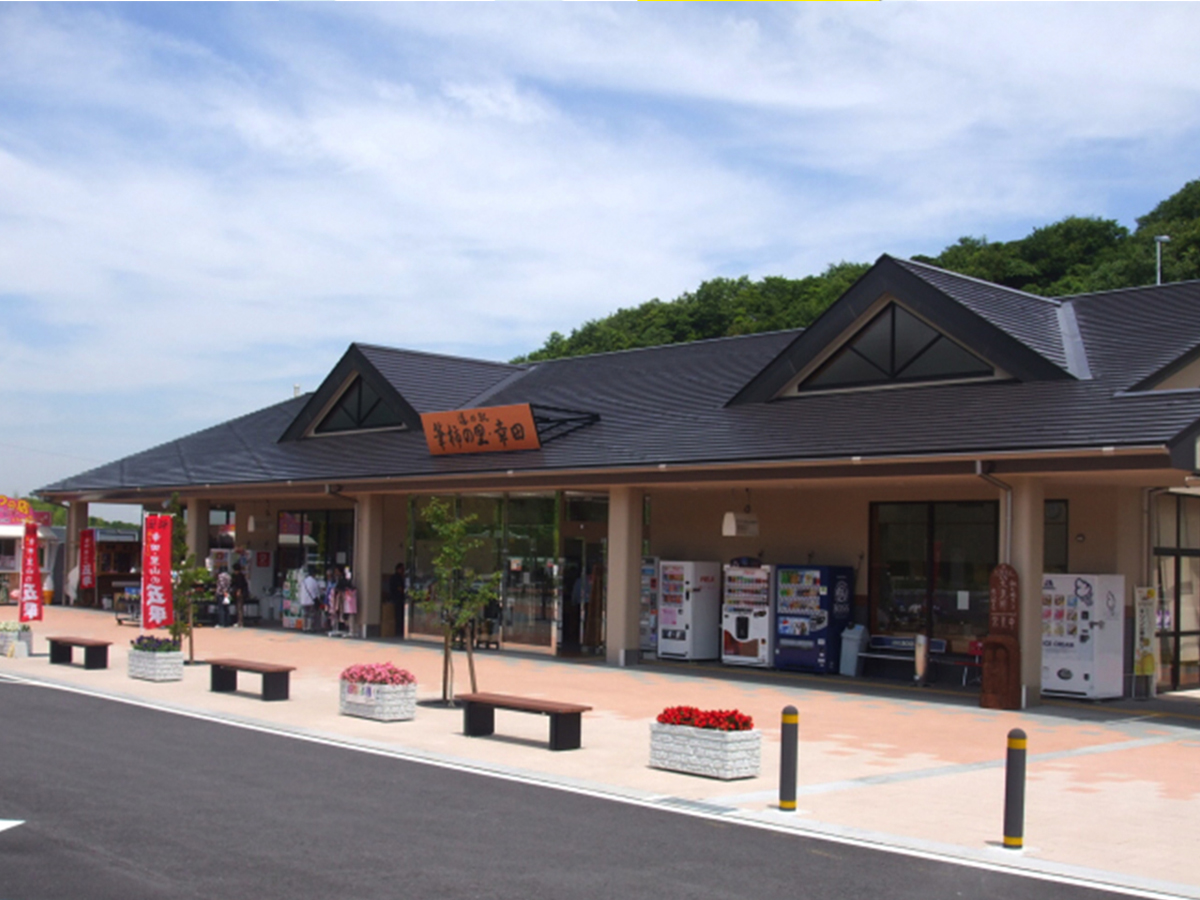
[274,677]
[479,716]
[95,653]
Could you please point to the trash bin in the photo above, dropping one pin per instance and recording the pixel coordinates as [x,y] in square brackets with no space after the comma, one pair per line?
[920,657]
[853,639]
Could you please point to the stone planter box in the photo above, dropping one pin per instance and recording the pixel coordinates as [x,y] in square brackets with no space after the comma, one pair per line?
[705,751]
[382,702]
[149,666]
[16,643]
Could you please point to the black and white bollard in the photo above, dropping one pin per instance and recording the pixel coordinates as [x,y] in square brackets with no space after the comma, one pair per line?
[789,752]
[1014,791]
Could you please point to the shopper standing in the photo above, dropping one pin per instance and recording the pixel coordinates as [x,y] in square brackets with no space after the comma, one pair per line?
[310,600]
[224,586]
[396,594]
[241,592]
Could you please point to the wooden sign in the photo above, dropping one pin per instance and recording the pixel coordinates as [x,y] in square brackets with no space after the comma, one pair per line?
[488,429]
[1004,589]
[1001,648]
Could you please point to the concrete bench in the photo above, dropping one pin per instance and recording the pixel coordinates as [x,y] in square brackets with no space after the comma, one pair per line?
[275,677]
[95,653]
[479,716]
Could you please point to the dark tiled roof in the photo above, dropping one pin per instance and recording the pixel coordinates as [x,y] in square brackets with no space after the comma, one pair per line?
[670,405]
[1031,319]
[1131,334]
[432,383]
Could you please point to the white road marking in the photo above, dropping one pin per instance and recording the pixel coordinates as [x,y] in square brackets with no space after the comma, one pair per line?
[6,824]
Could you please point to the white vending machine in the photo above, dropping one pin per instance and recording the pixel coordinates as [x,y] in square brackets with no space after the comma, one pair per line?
[1083,635]
[689,610]
[746,620]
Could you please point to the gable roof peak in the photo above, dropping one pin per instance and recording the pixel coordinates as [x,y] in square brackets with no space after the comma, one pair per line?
[450,357]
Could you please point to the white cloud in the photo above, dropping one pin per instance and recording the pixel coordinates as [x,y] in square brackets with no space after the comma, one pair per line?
[242,191]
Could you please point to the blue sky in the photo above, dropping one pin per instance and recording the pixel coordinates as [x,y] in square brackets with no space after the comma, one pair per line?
[202,205]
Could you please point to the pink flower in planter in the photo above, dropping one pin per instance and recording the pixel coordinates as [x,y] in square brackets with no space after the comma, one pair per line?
[378,673]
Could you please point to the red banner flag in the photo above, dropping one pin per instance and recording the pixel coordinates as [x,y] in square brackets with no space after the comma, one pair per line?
[87,558]
[157,609]
[31,576]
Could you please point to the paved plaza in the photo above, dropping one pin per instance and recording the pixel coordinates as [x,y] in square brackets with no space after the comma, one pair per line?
[1113,788]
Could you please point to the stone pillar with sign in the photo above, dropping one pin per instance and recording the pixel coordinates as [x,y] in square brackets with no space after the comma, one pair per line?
[1001,647]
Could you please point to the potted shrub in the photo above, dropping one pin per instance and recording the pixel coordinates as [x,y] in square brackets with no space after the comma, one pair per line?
[155,659]
[379,691]
[716,743]
[16,639]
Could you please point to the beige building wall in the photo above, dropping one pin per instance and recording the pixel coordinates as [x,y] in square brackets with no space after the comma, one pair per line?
[368,555]
[831,526]
[623,600]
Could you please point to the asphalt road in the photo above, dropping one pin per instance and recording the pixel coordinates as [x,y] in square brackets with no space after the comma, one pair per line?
[126,803]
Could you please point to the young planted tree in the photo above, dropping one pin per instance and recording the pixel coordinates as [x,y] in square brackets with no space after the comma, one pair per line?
[193,581]
[458,594]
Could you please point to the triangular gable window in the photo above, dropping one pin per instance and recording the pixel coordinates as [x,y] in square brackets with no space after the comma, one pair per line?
[896,347]
[360,408]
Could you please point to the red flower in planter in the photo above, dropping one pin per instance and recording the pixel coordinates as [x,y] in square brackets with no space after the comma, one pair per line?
[717,719]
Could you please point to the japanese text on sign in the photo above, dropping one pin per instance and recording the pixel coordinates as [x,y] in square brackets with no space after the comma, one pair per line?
[157,607]
[1004,589]
[87,558]
[31,580]
[488,429]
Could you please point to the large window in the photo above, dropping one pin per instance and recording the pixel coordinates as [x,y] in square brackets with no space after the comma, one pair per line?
[358,409]
[320,538]
[1056,537]
[930,564]
[896,346]
[519,535]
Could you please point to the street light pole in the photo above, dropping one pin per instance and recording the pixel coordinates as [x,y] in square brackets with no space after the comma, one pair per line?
[1159,240]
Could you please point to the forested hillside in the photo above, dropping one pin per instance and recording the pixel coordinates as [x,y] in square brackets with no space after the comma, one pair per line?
[1072,256]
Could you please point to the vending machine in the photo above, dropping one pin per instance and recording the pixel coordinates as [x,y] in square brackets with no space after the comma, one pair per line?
[648,621]
[1083,635]
[813,605]
[689,610]
[746,625]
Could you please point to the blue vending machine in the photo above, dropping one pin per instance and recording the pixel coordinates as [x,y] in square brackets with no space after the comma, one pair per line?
[813,605]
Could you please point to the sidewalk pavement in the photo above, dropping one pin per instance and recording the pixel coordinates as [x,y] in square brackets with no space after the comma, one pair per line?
[1113,795]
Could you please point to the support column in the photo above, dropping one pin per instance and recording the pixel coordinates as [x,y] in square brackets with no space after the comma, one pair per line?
[197,529]
[368,561]
[624,575]
[1029,516]
[77,520]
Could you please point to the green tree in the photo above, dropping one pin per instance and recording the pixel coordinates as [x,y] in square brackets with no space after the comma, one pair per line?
[193,583]
[1074,255]
[458,594]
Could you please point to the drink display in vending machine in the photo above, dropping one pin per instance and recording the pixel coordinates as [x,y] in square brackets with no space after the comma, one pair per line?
[812,608]
[648,622]
[746,626]
[689,610]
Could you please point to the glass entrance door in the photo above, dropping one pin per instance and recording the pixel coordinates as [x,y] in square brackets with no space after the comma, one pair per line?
[1177,571]
[930,564]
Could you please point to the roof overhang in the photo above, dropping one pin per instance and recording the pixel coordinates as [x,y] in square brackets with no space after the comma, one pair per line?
[1049,461]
